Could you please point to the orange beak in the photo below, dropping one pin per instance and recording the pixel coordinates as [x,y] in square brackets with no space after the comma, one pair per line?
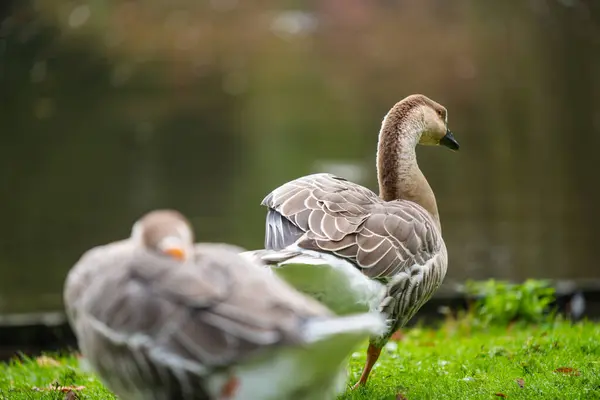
[175,252]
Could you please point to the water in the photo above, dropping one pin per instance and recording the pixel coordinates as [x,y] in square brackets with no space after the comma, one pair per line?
[109,111]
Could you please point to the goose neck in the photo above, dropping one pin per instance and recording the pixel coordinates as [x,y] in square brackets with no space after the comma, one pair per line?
[398,172]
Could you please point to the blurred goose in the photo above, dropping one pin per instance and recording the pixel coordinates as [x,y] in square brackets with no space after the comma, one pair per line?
[158,318]
[326,224]
[334,282]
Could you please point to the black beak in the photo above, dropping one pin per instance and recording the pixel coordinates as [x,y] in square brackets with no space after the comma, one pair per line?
[449,141]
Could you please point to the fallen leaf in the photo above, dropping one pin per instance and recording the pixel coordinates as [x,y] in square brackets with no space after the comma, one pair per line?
[54,388]
[521,383]
[400,396]
[510,326]
[66,389]
[71,388]
[501,395]
[71,395]
[568,371]
[45,361]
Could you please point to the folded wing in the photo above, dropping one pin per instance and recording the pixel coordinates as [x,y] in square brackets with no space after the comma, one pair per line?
[345,219]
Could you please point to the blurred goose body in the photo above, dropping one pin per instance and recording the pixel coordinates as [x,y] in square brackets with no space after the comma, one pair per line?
[393,238]
[333,281]
[159,318]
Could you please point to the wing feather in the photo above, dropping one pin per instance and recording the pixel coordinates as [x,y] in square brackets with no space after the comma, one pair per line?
[314,222]
[369,242]
[295,203]
[281,230]
[340,217]
[329,228]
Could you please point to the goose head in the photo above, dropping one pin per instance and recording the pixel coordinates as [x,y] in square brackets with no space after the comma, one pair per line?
[166,232]
[428,117]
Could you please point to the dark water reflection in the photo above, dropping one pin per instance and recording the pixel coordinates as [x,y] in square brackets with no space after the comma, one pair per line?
[109,112]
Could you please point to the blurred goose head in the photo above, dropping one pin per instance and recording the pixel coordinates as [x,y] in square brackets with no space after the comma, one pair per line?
[166,232]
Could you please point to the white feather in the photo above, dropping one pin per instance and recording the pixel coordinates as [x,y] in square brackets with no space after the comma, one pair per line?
[337,283]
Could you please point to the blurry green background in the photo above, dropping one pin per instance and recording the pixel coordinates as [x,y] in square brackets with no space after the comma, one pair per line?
[111,108]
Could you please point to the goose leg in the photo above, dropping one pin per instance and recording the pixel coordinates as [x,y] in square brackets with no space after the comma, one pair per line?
[372,356]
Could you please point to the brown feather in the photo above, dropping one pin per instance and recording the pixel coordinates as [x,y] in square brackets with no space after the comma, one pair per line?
[349,220]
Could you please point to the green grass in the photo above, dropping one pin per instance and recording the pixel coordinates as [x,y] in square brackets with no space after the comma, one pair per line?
[448,363]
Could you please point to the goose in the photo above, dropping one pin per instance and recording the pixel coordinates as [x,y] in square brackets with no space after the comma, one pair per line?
[332,228]
[157,317]
[333,282]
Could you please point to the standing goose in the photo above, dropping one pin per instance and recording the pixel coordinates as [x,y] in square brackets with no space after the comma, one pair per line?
[158,318]
[394,238]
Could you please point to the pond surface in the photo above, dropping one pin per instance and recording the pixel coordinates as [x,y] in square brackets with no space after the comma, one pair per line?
[110,110]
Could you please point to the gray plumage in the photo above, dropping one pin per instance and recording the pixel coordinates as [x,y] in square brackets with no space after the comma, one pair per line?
[156,328]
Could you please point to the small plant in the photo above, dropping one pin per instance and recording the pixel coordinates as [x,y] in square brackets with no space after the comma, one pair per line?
[502,303]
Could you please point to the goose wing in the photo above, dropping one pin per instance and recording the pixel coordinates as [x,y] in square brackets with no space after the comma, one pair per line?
[330,214]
